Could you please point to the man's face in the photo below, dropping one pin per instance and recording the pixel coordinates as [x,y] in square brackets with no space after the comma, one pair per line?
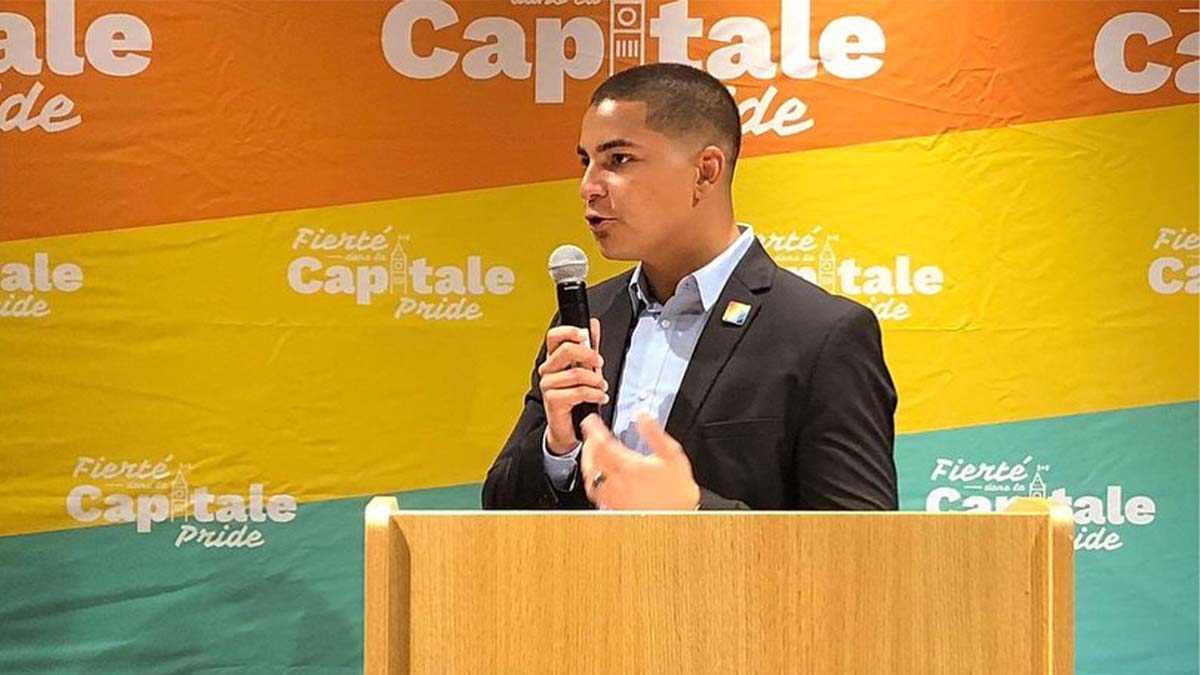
[637,185]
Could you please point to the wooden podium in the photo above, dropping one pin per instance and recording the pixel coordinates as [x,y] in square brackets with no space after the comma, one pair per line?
[610,593]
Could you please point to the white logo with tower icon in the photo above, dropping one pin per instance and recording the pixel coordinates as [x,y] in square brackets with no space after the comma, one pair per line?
[179,493]
[627,33]
[366,265]
[1103,517]
[827,265]
[891,289]
[147,493]
[1037,487]
[398,266]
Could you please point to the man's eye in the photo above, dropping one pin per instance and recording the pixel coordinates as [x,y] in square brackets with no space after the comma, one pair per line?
[621,158]
[583,161]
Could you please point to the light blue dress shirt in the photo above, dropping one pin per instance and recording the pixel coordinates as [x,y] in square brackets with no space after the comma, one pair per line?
[659,352]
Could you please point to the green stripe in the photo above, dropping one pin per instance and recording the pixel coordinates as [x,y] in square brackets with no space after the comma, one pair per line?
[109,600]
[1136,607]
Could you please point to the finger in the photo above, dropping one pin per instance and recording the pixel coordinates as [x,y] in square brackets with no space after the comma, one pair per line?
[589,469]
[560,334]
[595,325]
[574,377]
[568,355]
[599,445]
[569,398]
[594,429]
[595,490]
[660,442]
[609,454]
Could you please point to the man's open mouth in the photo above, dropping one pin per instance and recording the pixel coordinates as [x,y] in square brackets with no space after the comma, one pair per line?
[598,222]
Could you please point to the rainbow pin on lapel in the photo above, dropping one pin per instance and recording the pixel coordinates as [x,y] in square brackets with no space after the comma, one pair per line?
[735,313]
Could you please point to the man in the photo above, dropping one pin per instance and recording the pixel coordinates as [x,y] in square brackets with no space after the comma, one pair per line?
[724,382]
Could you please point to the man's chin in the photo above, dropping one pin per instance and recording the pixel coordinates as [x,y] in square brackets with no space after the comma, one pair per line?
[611,249]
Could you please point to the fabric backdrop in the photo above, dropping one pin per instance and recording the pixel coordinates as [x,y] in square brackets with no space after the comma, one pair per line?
[262,260]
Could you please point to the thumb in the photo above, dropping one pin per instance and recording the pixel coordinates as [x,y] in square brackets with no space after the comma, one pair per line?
[594,429]
[663,446]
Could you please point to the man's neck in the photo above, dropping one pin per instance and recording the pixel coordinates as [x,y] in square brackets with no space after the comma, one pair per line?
[663,275]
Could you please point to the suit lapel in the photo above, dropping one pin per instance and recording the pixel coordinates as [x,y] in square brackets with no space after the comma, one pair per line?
[750,280]
[616,329]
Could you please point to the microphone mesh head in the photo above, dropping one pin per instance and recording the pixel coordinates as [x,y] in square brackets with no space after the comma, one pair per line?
[568,263]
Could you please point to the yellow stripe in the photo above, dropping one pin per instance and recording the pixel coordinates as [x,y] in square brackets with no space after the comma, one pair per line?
[1046,235]
[187,340]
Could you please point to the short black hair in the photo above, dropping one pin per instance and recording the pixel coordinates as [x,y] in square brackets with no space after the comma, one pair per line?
[680,100]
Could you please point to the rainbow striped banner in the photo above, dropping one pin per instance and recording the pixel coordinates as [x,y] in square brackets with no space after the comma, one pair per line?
[261,260]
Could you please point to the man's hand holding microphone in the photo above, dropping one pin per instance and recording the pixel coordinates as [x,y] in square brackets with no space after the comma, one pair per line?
[571,374]
[572,384]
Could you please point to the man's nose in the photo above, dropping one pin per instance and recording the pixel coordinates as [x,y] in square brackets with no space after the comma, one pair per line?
[591,186]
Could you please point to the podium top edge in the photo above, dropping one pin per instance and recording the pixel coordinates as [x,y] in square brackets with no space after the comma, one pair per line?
[601,514]
[384,506]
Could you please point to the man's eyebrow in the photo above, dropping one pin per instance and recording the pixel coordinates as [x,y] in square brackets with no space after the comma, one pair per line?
[607,145]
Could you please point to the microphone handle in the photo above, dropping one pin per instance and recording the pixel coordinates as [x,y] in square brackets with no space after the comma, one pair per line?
[573,311]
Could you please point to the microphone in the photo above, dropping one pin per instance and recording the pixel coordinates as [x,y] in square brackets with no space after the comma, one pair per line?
[569,268]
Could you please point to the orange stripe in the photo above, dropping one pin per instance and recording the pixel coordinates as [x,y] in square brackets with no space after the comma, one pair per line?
[262,106]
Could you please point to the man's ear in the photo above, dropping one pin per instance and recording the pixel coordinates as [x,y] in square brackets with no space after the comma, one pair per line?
[710,172]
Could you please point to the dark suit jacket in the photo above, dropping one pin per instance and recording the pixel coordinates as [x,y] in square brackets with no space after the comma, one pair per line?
[792,410]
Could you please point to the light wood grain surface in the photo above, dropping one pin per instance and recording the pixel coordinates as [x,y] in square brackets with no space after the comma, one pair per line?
[605,593]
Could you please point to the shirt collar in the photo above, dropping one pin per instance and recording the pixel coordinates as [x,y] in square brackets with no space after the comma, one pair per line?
[711,278]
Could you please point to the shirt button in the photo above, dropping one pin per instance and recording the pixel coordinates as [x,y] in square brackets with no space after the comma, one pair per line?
[665,323]
[643,395]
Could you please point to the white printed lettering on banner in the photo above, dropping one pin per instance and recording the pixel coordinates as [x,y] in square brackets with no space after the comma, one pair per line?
[988,487]
[114,44]
[27,287]
[1176,267]
[884,287]
[148,493]
[848,48]
[1120,75]
[367,264]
